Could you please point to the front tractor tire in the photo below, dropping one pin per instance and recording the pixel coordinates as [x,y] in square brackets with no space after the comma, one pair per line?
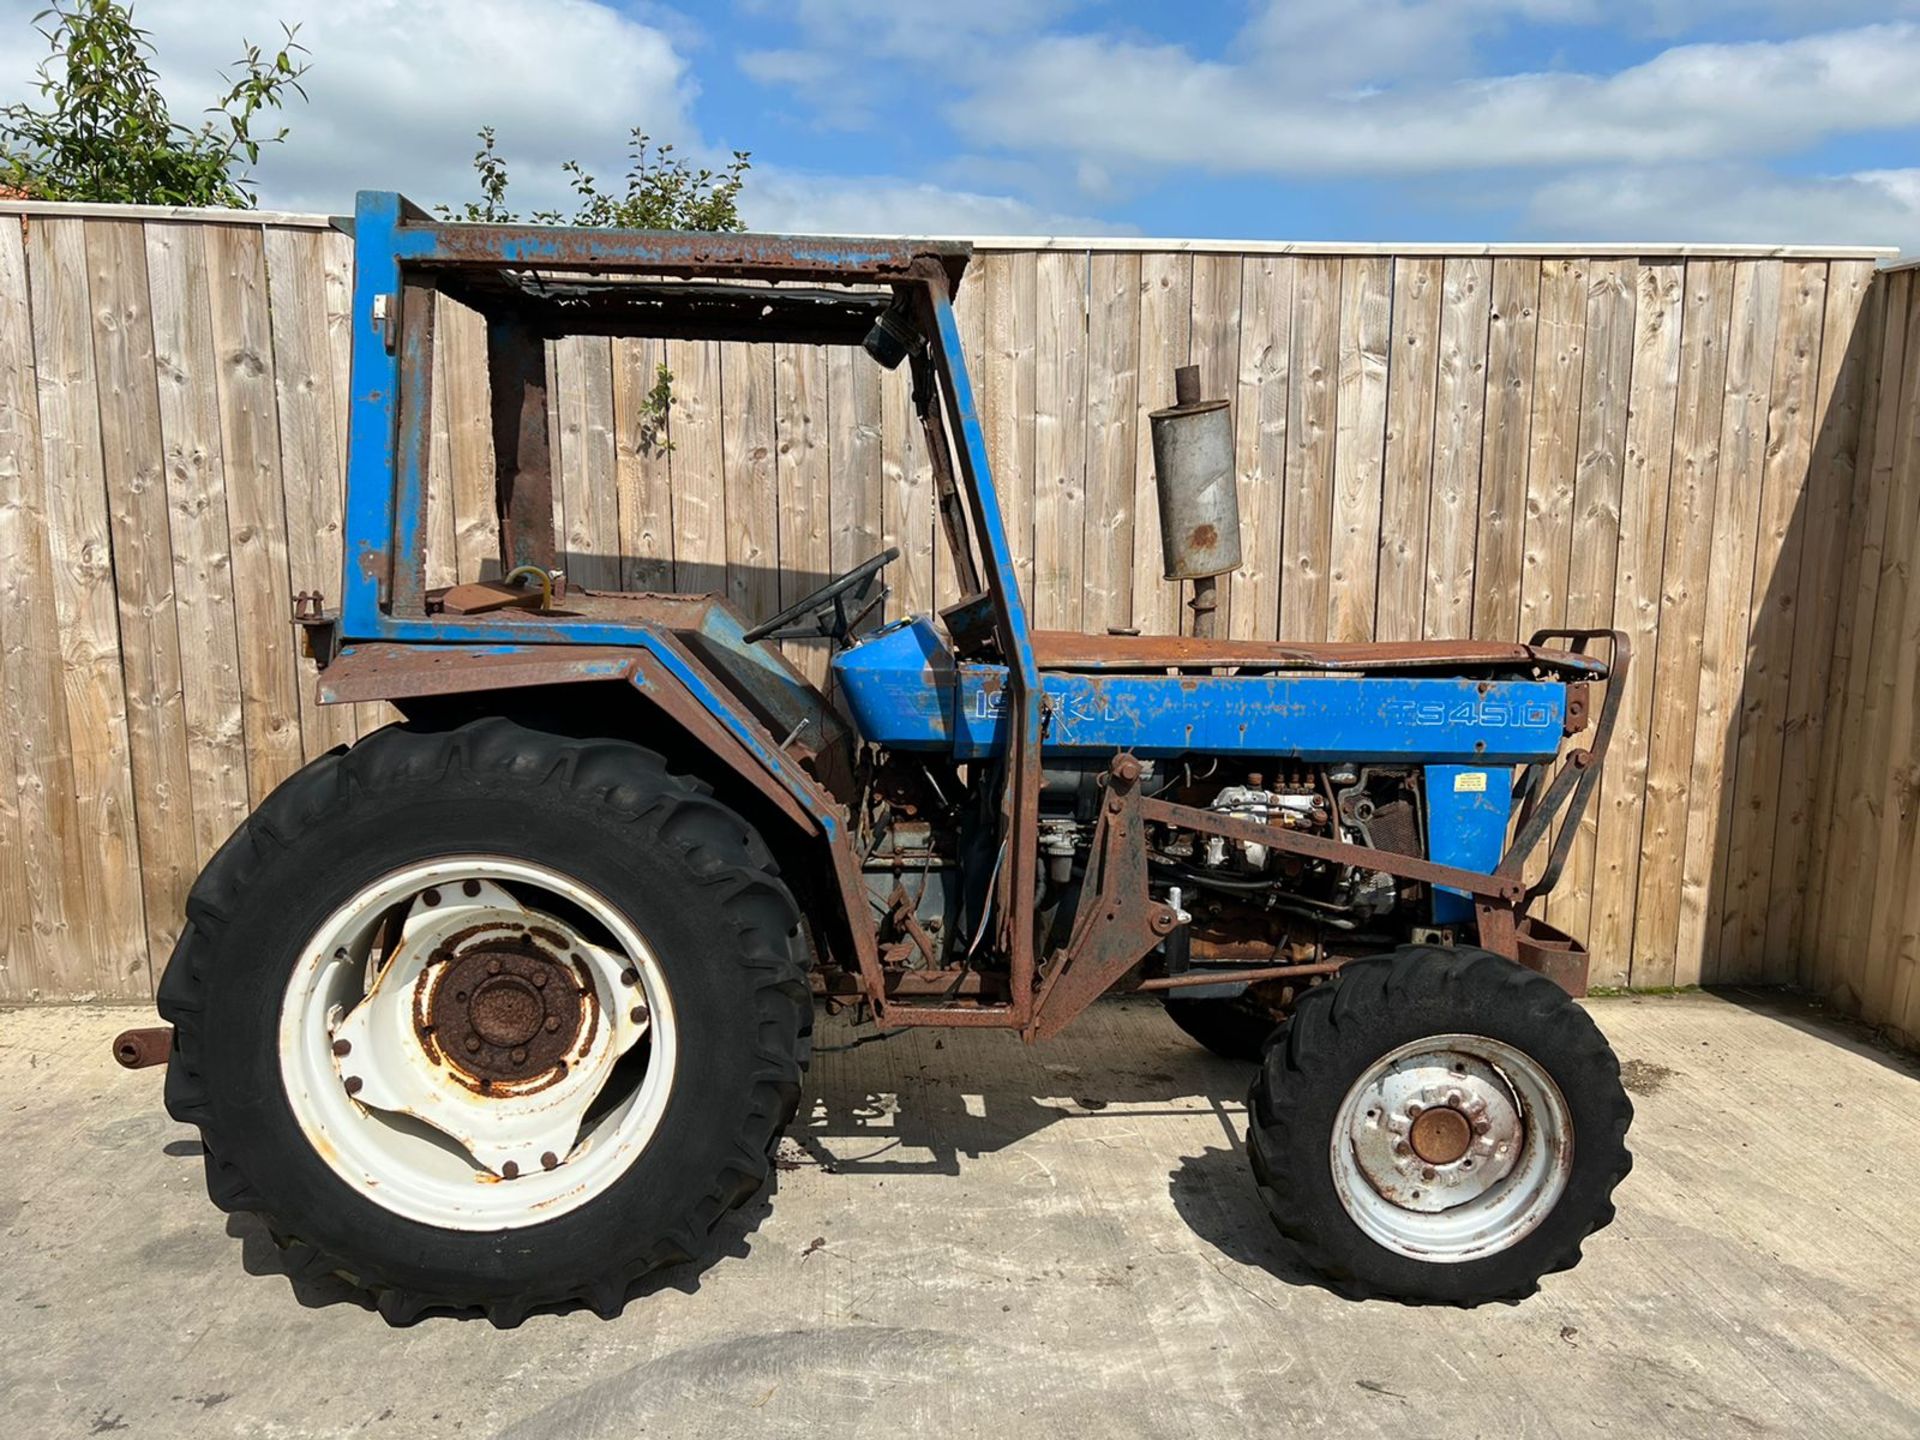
[1438,1125]
[488,1018]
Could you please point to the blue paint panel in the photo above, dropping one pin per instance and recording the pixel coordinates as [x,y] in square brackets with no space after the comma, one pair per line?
[906,693]
[374,389]
[1467,809]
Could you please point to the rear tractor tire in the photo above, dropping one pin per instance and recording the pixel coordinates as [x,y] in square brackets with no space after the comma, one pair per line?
[488,1018]
[1438,1125]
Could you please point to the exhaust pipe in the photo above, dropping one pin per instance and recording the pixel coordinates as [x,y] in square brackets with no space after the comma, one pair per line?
[1199,495]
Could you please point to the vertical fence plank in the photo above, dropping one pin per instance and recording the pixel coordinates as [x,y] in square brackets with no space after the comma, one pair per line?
[1893,738]
[42,935]
[1306,528]
[1553,449]
[1723,651]
[1260,444]
[1166,318]
[250,448]
[461,395]
[1779,538]
[1360,445]
[1459,409]
[1012,340]
[1113,412]
[102,857]
[309,450]
[1412,375]
[1858,782]
[588,464]
[136,488]
[1499,548]
[642,470]
[907,510]
[801,462]
[1605,376]
[442,553]
[1692,493]
[1620,801]
[753,514]
[1879,340]
[1832,472]
[203,572]
[853,443]
[1060,441]
[698,470]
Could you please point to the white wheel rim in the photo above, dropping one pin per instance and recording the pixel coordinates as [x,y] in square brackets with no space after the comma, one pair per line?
[1497,1146]
[401,1152]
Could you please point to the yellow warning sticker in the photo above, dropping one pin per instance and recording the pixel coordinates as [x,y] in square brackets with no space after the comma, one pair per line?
[1470,780]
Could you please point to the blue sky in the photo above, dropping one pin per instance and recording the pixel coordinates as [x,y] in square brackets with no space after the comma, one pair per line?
[1656,120]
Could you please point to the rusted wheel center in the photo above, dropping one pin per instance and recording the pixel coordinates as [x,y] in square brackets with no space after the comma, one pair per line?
[507,1012]
[1440,1135]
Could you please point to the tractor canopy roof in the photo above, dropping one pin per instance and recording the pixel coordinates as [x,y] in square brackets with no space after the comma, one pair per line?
[694,285]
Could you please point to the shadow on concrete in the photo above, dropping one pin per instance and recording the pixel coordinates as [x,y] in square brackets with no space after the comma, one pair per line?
[1813,1016]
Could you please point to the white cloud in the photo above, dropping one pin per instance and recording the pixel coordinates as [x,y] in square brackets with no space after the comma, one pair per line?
[827,204]
[398,88]
[1870,207]
[1157,106]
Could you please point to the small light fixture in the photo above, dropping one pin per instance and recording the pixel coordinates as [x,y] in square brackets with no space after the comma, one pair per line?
[893,337]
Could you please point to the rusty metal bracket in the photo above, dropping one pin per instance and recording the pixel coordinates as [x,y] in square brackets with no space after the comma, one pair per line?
[1117,922]
[1579,774]
[319,627]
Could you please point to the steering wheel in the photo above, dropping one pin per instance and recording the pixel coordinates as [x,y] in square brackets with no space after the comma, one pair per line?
[825,610]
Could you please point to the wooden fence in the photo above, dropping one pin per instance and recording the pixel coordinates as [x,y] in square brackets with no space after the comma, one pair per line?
[1860,927]
[1430,443]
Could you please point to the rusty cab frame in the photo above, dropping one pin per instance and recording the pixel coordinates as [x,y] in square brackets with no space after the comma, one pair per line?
[778,743]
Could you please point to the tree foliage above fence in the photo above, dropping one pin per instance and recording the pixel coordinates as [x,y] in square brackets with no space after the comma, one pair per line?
[106,133]
[663,191]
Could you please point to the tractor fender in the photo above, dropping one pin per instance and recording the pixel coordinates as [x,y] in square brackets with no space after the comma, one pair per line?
[379,671]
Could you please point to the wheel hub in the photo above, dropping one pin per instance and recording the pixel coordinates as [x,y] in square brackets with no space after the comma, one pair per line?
[1435,1130]
[508,1011]
[1440,1135]
[495,1024]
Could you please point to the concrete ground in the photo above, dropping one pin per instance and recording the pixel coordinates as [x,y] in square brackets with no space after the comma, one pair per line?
[974,1238]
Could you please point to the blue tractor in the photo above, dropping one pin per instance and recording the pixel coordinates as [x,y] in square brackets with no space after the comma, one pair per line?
[507,1004]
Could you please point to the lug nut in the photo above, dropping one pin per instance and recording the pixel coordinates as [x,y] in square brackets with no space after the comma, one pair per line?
[553,1024]
[353,1083]
[472,887]
[493,967]
[473,1044]
[549,1161]
[519,1057]
[431,897]
[638,1014]
[540,978]
[627,977]
[509,1170]
[342,1047]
